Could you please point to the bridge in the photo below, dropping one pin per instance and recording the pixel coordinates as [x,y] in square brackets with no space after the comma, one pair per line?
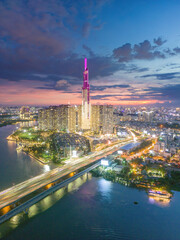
[21,196]
[25,206]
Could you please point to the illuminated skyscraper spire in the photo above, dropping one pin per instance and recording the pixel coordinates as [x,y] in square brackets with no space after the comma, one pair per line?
[85,98]
[85,82]
[85,63]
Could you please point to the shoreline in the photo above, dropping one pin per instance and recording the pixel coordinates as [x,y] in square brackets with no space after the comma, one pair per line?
[37,159]
[9,138]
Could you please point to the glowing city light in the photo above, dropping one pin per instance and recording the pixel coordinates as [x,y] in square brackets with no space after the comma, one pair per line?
[120,152]
[74,153]
[104,162]
[46,168]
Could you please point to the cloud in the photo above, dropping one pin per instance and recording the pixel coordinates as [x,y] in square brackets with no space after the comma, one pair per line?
[168,92]
[62,84]
[90,52]
[98,26]
[43,38]
[124,53]
[177,50]
[86,29]
[33,93]
[159,41]
[164,76]
[101,88]
[173,52]
[144,51]
[34,26]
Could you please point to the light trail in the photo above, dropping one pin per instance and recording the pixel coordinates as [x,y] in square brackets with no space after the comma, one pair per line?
[18,191]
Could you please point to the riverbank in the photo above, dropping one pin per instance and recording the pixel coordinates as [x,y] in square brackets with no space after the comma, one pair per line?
[34,157]
[16,166]
[99,209]
[10,138]
[53,146]
[12,122]
[127,177]
[27,138]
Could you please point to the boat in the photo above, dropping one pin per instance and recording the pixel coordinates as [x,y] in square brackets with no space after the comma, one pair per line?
[159,193]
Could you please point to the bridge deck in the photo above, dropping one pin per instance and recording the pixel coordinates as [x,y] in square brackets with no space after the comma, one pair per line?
[42,195]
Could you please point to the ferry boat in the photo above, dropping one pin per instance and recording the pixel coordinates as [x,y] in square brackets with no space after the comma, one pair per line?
[159,193]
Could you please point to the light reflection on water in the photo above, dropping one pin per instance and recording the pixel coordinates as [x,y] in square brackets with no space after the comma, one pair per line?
[11,145]
[42,205]
[105,188]
[162,202]
[16,166]
[28,124]
[100,210]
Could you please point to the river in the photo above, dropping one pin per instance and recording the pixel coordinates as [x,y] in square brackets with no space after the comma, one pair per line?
[101,210]
[15,167]
[89,208]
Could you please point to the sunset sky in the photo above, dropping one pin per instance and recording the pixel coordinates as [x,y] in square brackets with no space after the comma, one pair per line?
[132,47]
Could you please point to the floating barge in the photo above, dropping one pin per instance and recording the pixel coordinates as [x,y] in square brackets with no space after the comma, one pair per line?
[159,193]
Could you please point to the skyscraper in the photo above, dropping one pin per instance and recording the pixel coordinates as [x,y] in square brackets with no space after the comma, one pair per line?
[102,119]
[63,118]
[85,99]
[97,118]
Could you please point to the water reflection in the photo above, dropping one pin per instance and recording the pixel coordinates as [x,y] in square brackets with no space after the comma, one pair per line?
[162,202]
[43,205]
[105,188]
[11,146]
[28,124]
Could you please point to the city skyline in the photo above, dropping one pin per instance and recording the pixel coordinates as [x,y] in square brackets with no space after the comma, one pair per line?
[89,119]
[133,54]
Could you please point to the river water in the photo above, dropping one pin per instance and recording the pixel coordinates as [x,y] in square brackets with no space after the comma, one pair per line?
[101,210]
[15,167]
[89,208]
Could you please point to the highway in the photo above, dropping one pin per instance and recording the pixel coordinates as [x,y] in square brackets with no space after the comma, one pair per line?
[25,206]
[13,194]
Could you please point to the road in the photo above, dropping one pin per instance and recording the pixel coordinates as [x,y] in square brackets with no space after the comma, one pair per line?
[26,205]
[18,191]
[139,154]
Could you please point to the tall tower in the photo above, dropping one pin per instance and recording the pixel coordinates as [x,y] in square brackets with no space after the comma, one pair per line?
[85,98]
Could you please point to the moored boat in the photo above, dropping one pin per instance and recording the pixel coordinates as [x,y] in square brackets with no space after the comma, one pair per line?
[159,193]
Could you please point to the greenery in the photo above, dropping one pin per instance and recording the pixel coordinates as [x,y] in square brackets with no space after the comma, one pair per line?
[148,176]
[142,146]
[50,146]
[27,134]
[137,161]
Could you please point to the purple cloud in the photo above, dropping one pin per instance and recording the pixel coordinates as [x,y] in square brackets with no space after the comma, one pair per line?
[144,50]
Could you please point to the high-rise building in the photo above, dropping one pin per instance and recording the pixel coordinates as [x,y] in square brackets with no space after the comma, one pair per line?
[145,116]
[62,118]
[102,119]
[97,118]
[86,107]
[25,113]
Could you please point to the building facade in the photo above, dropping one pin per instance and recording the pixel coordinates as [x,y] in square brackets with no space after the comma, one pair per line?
[24,113]
[95,118]
[102,119]
[86,107]
[61,118]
